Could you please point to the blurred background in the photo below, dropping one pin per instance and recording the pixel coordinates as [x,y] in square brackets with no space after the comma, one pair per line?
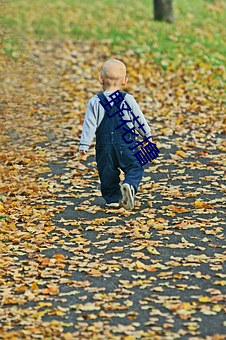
[197,28]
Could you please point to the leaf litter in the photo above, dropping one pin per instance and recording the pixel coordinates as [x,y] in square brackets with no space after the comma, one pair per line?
[69,268]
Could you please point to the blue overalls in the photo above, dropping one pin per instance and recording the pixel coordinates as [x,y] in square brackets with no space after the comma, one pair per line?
[112,154]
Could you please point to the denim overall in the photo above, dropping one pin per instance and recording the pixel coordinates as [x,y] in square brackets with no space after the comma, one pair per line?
[112,154]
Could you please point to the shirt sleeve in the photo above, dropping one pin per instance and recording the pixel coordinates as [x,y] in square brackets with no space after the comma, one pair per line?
[142,120]
[89,128]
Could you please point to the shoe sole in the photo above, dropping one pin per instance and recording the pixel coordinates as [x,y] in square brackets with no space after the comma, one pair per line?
[113,206]
[127,197]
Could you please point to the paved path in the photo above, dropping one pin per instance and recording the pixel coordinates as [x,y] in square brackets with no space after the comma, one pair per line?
[153,273]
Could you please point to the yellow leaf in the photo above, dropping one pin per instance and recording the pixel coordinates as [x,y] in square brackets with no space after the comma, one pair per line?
[153,251]
[160,226]
[100,221]
[12,225]
[44,304]
[53,289]
[67,336]
[1,208]
[222,282]
[38,315]
[202,205]
[20,289]
[187,305]
[198,204]
[158,289]
[59,257]
[34,286]
[204,299]
[140,265]
[217,308]
[181,153]
[192,326]
[115,250]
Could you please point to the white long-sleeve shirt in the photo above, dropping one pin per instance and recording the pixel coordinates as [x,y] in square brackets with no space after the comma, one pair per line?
[95,113]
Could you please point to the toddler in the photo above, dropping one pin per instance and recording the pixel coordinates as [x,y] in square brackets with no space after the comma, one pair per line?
[113,143]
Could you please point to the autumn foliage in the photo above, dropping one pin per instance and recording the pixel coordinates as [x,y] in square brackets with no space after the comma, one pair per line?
[71,269]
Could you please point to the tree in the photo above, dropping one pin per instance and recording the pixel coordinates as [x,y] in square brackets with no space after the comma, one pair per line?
[163,10]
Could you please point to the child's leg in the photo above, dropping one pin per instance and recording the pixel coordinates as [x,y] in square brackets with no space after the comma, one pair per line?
[131,167]
[107,166]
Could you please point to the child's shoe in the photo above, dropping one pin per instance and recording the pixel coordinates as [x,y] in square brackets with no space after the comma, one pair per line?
[113,205]
[128,194]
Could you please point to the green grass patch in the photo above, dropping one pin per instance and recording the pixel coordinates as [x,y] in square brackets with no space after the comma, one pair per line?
[199,29]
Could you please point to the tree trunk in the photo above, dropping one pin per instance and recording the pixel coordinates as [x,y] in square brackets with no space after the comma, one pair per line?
[163,10]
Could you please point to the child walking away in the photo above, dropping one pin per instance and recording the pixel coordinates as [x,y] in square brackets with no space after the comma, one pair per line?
[116,119]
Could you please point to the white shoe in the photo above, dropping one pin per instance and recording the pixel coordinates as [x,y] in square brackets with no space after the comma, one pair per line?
[112,205]
[128,194]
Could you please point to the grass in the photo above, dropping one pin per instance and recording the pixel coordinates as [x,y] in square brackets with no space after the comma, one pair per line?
[197,33]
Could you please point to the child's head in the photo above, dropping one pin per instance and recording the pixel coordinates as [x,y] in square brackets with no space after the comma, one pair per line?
[113,75]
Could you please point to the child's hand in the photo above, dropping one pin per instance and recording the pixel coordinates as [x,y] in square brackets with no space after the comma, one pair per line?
[150,140]
[83,152]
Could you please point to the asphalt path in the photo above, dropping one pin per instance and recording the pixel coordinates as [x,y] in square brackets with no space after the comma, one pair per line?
[155,272]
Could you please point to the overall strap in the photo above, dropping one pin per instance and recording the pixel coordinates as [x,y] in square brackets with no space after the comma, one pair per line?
[106,131]
[103,99]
